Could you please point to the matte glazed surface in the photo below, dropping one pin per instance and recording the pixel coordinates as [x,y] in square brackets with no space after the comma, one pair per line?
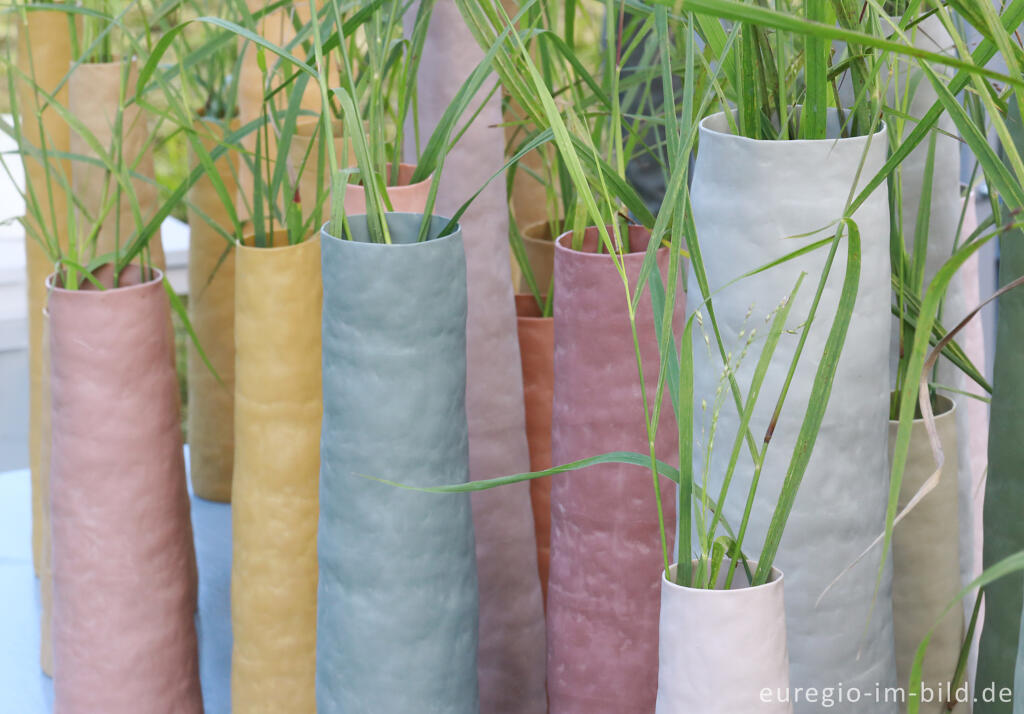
[511,656]
[123,598]
[277,462]
[606,558]
[537,352]
[749,198]
[397,626]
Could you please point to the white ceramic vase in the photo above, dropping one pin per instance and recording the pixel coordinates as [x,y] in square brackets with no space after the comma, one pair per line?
[723,651]
[753,203]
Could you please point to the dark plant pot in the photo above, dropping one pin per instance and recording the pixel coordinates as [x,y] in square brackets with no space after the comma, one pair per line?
[397,610]
[606,558]
[124,597]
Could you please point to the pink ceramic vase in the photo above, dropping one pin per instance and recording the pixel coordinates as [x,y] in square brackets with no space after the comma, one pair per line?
[606,556]
[124,594]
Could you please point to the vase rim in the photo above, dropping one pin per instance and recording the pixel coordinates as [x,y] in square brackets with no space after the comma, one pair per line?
[157,277]
[714,125]
[560,243]
[430,241]
[544,223]
[776,581]
[949,407]
[529,299]
[241,245]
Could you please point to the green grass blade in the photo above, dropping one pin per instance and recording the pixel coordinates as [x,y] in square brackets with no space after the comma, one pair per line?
[821,390]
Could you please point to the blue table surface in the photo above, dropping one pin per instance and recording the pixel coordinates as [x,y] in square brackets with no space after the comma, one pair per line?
[24,689]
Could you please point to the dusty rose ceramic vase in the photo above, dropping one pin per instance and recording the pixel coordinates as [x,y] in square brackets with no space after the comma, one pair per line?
[606,559]
[123,597]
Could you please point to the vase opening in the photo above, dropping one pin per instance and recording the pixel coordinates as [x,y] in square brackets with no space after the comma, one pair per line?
[130,276]
[739,580]
[638,238]
[835,130]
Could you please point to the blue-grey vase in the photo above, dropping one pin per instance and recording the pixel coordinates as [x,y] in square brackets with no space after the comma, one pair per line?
[397,606]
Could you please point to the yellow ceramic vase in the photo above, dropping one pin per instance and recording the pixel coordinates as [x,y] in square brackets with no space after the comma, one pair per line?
[278,407]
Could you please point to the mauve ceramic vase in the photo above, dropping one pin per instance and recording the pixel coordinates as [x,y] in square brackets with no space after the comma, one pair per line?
[277,463]
[123,599]
[397,624]
[511,653]
[606,558]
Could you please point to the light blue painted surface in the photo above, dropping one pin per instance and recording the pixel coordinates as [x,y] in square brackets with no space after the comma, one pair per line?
[23,687]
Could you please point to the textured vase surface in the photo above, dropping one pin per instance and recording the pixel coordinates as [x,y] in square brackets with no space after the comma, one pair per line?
[926,563]
[511,653]
[537,352]
[606,557]
[723,651]
[211,306]
[1000,659]
[749,198]
[397,626]
[274,501]
[123,598]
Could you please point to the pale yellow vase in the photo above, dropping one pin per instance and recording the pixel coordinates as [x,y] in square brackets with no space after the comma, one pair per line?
[274,511]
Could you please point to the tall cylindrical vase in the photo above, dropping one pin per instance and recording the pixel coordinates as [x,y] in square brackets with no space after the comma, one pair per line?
[44,55]
[606,555]
[309,163]
[750,198]
[926,569]
[723,651]
[999,650]
[537,354]
[405,197]
[277,461]
[912,90]
[511,654]
[211,306]
[278,27]
[397,626]
[124,635]
[94,94]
